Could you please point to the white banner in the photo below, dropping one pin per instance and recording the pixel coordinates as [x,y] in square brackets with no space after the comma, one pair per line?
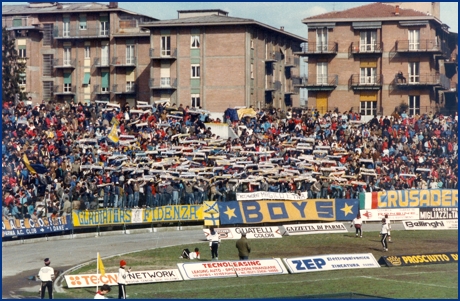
[251,232]
[301,229]
[331,262]
[266,195]
[224,269]
[450,224]
[393,214]
[89,280]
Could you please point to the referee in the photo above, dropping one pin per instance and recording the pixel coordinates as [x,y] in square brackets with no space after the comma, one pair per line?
[46,275]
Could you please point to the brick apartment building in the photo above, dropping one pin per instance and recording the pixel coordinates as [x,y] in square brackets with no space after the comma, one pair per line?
[85,52]
[81,51]
[206,58]
[355,55]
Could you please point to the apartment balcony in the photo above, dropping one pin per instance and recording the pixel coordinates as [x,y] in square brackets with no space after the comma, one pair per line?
[74,32]
[161,54]
[272,86]
[300,82]
[123,89]
[64,63]
[272,57]
[358,82]
[318,49]
[127,62]
[163,83]
[422,81]
[433,46]
[366,49]
[60,90]
[290,88]
[20,23]
[97,89]
[323,82]
[291,61]
[101,62]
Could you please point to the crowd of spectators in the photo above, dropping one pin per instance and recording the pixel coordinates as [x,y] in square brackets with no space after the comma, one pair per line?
[168,155]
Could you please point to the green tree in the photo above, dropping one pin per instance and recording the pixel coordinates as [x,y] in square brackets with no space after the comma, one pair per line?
[12,67]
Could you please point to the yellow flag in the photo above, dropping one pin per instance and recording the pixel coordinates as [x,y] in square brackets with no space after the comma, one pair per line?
[113,135]
[101,265]
[27,163]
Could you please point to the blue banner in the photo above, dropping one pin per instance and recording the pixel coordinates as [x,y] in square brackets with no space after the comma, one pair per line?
[254,212]
[27,226]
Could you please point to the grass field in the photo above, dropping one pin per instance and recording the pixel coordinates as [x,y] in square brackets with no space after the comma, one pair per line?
[423,281]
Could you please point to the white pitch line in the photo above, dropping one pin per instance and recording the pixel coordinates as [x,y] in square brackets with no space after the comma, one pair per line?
[410,282]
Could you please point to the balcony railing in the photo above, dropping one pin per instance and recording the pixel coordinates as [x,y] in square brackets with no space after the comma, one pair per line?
[100,90]
[101,62]
[273,56]
[323,82]
[123,61]
[422,80]
[18,22]
[359,82]
[157,53]
[123,89]
[163,83]
[61,90]
[272,86]
[361,48]
[319,48]
[299,81]
[64,63]
[433,45]
[74,32]
[290,88]
[292,61]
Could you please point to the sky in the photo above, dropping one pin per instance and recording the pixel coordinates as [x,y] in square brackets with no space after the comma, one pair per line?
[266,12]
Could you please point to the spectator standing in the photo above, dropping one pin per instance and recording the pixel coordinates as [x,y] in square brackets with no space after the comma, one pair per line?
[214,241]
[357,222]
[46,275]
[384,234]
[122,274]
[243,247]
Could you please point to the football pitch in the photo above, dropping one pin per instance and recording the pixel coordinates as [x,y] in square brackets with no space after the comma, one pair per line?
[431,281]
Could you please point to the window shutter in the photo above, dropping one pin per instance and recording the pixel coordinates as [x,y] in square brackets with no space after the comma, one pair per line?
[105,79]
[67,78]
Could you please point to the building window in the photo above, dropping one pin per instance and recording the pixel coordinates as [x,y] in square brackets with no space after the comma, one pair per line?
[165,82]
[47,64]
[22,79]
[414,72]
[66,56]
[321,73]
[47,34]
[130,86]
[368,76]
[83,22]
[414,105]
[252,43]
[66,27]
[105,80]
[252,71]
[130,54]
[321,39]
[195,43]
[87,52]
[414,39]
[104,54]
[47,90]
[195,71]
[368,108]
[104,27]
[22,52]
[67,82]
[165,45]
[368,41]
[196,101]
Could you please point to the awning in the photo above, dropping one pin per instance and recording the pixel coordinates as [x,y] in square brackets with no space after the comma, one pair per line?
[86,78]
[320,25]
[367,25]
[414,23]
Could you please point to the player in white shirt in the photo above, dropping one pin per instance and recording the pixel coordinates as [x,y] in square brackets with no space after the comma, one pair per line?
[190,255]
[357,222]
[46,275]
[389,226]
[384,234]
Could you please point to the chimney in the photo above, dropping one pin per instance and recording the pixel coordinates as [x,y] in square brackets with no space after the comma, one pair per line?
[282,28]
[397,10]
[113,4]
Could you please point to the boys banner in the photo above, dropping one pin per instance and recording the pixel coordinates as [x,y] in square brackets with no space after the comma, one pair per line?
[254,212]
[111,216]
[27,226]
[412,198]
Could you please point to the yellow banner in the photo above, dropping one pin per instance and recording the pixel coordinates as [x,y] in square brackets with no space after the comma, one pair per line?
[113,135]
[111,216]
